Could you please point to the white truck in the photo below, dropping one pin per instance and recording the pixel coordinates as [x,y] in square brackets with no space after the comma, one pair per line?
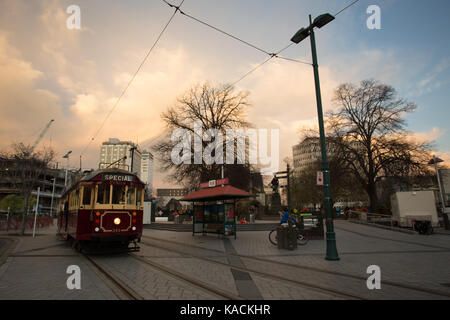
[415,209]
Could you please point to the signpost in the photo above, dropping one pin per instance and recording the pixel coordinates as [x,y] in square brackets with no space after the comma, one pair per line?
[36,211]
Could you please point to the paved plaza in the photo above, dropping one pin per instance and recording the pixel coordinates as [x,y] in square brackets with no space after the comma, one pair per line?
[249,267]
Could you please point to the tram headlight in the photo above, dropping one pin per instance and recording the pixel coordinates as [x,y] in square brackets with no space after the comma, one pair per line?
[134,228]
[117,221]
[97,229]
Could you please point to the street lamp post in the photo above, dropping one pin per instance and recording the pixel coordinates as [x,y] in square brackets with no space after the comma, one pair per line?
[302,34]
[66,156]
[435,161]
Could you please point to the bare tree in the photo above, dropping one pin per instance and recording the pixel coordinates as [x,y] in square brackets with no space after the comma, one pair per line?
[21,169]
[344,188]
[370,135]
[214,108]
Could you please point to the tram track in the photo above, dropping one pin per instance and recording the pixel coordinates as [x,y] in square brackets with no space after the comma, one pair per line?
[296,266]
[131,294]
[211,289]
[289,281]
[120,289]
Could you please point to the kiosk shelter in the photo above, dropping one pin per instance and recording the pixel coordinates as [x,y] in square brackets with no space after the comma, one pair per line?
[215,207]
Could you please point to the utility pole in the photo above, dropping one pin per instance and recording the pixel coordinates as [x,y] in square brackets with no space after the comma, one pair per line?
[287,172]
[132,157]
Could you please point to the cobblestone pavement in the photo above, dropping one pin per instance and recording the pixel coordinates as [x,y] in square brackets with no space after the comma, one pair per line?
[33,273]
[407,260]
[36,267]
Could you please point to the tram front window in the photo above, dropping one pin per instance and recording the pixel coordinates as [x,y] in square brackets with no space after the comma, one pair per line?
[130,196]
[118,194]
[103,194]
[138,197]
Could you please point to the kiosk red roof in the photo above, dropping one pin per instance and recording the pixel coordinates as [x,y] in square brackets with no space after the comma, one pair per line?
[217,193]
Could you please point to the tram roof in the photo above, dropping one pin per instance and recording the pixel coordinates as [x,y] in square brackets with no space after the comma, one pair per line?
[90,176]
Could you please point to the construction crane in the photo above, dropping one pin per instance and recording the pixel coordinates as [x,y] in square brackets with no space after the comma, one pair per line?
[27,153]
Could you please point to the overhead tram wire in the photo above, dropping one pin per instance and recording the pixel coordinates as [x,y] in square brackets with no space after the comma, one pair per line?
[177,9]
[346,7]
[280,57]
[272,55]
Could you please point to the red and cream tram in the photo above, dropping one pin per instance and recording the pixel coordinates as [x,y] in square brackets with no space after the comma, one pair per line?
[103,206]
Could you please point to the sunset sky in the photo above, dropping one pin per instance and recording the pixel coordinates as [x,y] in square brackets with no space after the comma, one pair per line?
[48,71]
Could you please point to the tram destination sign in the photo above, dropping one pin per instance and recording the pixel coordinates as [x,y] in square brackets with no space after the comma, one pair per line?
[118,177]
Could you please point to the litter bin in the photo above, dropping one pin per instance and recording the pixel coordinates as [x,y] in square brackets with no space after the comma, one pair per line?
[286,238]
[447,221]
[252,218]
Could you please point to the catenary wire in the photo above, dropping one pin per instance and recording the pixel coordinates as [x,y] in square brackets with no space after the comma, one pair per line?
[177,9]
[276,55]
[346,7]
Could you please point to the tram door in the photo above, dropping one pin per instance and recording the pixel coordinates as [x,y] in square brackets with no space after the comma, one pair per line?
[66,215]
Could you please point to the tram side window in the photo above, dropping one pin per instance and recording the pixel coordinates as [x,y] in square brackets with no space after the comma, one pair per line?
[87,195]
[118,194]
[77,197]
[130,196]
[138,197]
[103,194]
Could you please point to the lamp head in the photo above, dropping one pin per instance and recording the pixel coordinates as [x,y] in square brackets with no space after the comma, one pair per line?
[300,35]
[67,154]
[435,160]
[322,20]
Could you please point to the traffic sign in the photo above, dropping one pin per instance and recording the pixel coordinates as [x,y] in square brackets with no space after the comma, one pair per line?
[319,178]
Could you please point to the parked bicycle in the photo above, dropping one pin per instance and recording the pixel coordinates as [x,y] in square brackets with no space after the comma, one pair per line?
[301,239]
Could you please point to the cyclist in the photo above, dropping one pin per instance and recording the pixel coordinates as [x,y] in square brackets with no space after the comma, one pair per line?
[286,216]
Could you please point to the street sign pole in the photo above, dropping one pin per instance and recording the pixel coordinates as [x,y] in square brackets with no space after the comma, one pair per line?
[36,211]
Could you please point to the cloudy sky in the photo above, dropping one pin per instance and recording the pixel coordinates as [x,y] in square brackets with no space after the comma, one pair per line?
[48,71]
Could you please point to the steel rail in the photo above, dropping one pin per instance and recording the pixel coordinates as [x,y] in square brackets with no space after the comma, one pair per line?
[185,278]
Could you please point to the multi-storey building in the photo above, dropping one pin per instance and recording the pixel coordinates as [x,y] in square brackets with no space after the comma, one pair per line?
[50,182]
[120,154]
[147,170]
[306,153]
